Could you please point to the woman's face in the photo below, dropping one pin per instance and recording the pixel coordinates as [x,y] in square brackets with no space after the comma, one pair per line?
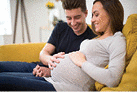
[100,18]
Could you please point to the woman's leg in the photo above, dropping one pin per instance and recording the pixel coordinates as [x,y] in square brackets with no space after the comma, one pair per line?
[11,66]
[24,82]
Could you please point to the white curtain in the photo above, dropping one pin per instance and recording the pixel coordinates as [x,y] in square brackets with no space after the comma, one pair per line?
[5,18]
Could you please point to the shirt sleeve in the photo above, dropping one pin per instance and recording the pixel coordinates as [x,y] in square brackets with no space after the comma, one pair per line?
[111,76]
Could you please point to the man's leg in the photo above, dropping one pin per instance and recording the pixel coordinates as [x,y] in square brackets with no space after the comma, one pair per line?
[22,75]
[10,66]
[24,82]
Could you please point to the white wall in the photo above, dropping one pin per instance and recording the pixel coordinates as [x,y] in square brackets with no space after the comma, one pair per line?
[1,40]
[130,7]
[37,15]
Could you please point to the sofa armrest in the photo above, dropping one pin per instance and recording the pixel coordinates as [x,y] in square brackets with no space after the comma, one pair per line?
[26,52]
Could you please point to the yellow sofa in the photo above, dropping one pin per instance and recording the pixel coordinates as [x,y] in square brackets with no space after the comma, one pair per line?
[30,53]
[25,52]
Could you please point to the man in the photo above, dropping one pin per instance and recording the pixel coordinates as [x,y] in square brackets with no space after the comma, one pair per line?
[65,38]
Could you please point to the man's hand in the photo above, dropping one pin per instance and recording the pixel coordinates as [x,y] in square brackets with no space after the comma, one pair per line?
[39,71]
[53,59]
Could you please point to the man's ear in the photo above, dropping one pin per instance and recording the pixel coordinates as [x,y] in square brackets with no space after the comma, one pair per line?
[86,13]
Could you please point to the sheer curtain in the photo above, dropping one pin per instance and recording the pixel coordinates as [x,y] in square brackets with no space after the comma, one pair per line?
[5,18]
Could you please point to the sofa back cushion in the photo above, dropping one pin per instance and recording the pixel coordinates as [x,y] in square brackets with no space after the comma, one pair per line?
[25,52]
[130,32]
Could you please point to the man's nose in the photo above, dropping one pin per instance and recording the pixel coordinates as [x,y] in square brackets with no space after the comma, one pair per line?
[73,22]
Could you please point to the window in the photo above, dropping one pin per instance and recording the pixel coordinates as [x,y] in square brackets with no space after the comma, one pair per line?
[5,18]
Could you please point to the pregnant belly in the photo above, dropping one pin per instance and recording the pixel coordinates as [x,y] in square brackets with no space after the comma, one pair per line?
[66,71]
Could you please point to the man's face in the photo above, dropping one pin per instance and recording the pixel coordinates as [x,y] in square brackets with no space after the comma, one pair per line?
[76,20]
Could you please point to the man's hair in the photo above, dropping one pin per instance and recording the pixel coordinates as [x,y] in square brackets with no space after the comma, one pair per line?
[116,12]
[73,4]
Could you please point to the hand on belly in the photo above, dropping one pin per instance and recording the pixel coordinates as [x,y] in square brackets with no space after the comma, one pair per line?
[67,71]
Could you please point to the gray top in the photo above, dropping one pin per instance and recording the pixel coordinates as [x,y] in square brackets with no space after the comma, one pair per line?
[99,53]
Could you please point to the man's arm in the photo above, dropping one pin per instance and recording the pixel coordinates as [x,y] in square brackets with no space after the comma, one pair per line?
[44,56]
[46,52]
[47,59]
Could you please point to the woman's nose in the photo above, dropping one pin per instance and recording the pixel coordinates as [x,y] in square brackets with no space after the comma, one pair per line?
[92,20]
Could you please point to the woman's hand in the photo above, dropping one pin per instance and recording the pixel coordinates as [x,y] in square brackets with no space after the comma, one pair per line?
[78,58]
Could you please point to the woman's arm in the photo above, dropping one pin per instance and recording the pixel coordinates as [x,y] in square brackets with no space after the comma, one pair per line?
[111,76]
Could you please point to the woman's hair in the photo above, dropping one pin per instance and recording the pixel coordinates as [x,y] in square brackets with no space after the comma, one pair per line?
[73,4]
[116,13]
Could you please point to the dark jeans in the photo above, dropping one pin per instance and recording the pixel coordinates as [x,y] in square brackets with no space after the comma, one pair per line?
[18,66]
[17,76]
[13,81]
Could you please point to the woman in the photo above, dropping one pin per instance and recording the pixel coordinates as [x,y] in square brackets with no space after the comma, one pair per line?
[79,70]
